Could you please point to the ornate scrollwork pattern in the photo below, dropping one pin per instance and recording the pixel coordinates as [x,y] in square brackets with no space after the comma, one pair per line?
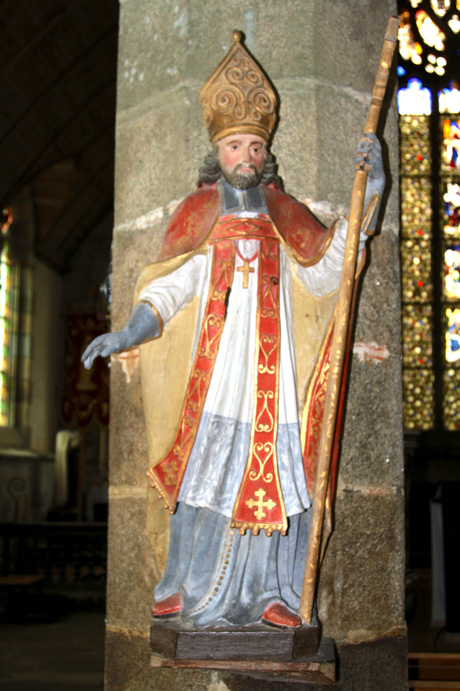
[268,344]
[260,449]
[238,94]
[262,508]
[161,475]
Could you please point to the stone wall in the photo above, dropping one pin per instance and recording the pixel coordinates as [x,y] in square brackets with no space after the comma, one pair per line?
[322,56]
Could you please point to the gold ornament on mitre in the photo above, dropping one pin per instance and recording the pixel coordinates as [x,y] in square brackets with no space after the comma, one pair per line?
[238,96]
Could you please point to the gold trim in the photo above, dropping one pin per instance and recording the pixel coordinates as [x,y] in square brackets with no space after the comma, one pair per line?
[270,527]
[314,376]
[157,315]
[313,260]
[255,528]
[155,270]
[220,571]
[193,429]
[241,129]
[238,96]
[182,469]
[319,359]
[156,485]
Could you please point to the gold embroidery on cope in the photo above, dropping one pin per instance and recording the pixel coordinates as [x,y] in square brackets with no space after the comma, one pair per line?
[268,450]
[264,367]
[266,426]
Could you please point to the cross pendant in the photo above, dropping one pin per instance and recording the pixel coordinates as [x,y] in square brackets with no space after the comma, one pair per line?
[246,269]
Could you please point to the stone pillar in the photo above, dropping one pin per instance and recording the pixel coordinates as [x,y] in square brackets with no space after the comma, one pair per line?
[322,57]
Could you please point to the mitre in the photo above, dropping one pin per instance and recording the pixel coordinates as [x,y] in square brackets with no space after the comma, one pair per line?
[238,96]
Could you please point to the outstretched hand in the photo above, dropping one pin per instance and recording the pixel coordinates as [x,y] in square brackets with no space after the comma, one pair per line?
[104,345]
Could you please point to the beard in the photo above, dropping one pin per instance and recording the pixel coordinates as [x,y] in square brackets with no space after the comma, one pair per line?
[242,181]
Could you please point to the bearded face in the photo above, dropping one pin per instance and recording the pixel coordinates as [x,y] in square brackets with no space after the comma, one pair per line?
[241,159]
[242,179]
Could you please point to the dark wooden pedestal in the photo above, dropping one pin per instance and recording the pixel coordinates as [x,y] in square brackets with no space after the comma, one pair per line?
[260,650]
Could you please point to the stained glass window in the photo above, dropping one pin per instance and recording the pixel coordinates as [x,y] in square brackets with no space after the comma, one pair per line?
[416,235]
[8,315]
[429,107]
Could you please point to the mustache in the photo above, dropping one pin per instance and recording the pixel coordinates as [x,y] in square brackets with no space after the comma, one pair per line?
[244,165]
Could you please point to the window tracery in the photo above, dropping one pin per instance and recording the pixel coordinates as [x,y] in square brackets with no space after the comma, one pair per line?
[429,107]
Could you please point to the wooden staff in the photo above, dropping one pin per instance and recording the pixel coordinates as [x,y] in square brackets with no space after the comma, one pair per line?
[341,330]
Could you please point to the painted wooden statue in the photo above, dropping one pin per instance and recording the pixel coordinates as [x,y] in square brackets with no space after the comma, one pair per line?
[259,274]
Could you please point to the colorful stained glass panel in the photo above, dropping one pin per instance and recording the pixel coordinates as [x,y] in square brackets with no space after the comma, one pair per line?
[417,338]
[440,7]
[450,147]
[452,335]
[450,204]
[418,409]
[416,207]
[416,270]
[430,31]
[452,273]
[449,99]
[451,400]
[5,324]
[415,99]
[415,145]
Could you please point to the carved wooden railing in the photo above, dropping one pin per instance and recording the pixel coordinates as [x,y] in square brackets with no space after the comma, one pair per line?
[69,556]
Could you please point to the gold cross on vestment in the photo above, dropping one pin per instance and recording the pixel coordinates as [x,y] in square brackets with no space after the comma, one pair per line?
[260,504]
[246,269]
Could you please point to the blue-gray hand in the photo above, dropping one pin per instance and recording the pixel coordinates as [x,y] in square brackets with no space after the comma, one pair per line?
[369,158]
[142,325]
[104,345]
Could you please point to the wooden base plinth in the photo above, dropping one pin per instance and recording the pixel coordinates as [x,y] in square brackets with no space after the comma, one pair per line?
[256,642]
[318,668]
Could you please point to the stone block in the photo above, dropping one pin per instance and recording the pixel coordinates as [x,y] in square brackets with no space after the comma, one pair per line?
[127,666]
[362,577]
[154,165]
[154,44]
[379,664]
[373,404]
[132,250]
[128,445]
[348,41]
[132,570]
[296,148]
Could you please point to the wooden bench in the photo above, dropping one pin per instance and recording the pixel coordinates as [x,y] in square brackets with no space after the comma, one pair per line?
[434,671]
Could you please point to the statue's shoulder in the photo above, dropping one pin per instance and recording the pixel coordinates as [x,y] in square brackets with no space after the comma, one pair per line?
[284,204]
[191,222]
[301,230]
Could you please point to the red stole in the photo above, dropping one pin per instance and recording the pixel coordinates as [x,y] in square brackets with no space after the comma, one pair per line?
[259,504]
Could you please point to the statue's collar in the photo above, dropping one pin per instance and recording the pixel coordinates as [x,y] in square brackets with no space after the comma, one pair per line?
[250,202]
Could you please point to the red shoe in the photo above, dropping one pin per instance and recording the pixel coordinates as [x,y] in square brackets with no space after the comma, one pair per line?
[279,615]
[168,607]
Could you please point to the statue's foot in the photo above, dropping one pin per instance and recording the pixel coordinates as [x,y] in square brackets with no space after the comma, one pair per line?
[168,607]
[278,615]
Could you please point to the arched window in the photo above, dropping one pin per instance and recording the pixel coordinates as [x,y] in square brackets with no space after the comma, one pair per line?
[8,324]
[429,107]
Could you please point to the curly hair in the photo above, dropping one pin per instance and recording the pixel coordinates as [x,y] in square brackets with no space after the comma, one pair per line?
[210,171]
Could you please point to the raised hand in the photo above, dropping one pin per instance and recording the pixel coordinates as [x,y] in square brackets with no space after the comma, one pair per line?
[369,158]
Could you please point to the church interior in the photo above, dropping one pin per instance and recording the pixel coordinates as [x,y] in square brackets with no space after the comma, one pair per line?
[57,143]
